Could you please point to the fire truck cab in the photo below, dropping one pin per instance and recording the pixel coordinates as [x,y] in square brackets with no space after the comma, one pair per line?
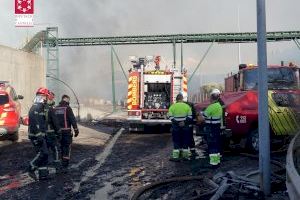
[151,91]
[241,104]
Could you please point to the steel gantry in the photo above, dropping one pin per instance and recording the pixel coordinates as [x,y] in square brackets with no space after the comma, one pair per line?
[179,38]
[51,43]
[50,40]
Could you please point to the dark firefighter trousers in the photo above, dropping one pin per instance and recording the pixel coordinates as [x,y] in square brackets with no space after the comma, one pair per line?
[213,132]
[52,144]
[41,157]
[180,136]
[191,141]
[65,145]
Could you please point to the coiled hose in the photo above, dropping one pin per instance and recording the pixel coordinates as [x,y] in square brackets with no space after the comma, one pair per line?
[146,188]
[218,190]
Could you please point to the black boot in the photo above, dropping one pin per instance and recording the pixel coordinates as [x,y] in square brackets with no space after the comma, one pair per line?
[58,166]
[31,173]
[65,165]
[43,173]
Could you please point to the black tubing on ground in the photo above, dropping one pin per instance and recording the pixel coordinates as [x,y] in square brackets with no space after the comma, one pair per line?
[142,190]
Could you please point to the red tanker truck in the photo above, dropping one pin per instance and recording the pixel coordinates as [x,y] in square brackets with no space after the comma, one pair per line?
[241,104]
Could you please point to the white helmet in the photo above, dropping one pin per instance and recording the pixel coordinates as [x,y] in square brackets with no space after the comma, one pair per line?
[215,92]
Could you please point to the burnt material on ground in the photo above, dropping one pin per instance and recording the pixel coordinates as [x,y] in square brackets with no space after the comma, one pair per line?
[138,160]
[109,126]
[135,161]
[56,187]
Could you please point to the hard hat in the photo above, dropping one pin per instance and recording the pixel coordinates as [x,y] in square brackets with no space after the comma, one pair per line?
[42,91]
[215,92]
[51,96]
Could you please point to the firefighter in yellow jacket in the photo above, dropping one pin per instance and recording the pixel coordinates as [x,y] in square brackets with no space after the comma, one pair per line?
[180,114]
[212,116]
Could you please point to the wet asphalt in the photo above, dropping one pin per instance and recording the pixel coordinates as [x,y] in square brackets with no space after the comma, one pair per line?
[115,170]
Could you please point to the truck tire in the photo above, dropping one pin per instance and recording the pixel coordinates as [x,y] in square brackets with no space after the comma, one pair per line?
[253,141]
[14,137]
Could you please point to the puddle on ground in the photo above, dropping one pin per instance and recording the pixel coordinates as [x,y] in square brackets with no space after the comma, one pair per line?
[101,158]
[103,192]
[117,184]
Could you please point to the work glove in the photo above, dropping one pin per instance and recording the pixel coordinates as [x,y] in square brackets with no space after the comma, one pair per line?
[76,132]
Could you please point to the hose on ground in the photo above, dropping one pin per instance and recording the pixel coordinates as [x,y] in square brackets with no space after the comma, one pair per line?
[225,181]
[221,190]
[144,189]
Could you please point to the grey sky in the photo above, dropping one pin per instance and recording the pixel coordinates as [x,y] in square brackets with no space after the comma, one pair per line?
[88,68]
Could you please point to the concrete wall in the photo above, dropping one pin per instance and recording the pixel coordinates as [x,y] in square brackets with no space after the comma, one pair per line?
[25,72]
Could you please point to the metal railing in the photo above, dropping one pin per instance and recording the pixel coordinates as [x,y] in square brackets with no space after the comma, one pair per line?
[292,168]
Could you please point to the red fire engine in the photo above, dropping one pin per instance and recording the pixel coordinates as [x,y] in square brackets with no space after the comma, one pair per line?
[241,103]
[151,91]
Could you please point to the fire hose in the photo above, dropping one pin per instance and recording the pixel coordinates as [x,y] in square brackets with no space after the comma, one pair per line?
[146,188]
[220,183]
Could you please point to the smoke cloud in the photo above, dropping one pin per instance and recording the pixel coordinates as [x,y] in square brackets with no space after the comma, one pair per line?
[87,69]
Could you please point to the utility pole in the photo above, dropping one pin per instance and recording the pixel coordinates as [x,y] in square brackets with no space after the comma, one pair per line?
[239,29]
[263,114]
[174,53]
[181,57]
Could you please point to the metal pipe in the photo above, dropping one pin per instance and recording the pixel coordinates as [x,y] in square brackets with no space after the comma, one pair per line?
[174,53]
[181,57]
[263,117]
[297,43]
[77,101]
[113,79]
[239,29]
[117,57]
[202,59]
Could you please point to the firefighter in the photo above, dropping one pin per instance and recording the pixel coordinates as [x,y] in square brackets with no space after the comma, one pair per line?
[66,119]
[180,114]
[53,132]
[218,93]
[36,133]
[213,117]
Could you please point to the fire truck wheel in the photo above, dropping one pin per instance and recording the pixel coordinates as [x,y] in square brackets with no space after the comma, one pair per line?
[14,137]
[253,141]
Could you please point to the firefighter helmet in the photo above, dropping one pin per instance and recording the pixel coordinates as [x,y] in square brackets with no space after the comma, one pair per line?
[42,91]
[51,95]
[215,92]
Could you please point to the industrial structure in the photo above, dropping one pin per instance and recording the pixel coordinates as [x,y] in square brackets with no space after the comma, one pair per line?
[50,39]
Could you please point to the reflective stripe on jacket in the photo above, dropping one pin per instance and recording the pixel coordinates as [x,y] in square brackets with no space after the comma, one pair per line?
[37,119]
[213,113]
[65,116]
[180,111]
